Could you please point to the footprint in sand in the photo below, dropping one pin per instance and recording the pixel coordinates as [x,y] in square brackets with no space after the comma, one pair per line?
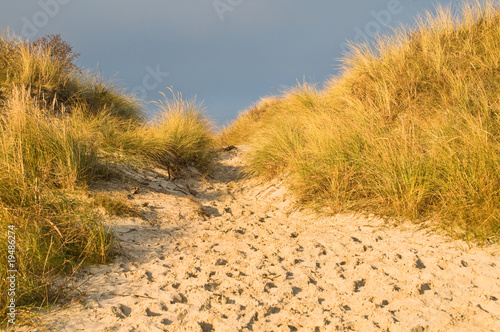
[149,313]
[419,264]
[423,288]
[296,290]
[166,322]
[149,276]
[179,298]
[358,284]
[205,327]
[122,311]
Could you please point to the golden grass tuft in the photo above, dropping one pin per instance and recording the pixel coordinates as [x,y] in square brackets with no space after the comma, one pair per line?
[185,131]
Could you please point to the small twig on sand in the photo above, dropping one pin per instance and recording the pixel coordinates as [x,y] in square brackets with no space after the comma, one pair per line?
[135,295]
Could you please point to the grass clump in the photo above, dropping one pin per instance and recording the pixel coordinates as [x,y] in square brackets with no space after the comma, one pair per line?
[185,132]
[410,129]
[180,136]
[44,165]
[60,129]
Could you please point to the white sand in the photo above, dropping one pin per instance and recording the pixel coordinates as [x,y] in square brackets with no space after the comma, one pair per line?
[238,256]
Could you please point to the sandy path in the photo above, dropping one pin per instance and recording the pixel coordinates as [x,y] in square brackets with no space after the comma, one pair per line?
[229,254]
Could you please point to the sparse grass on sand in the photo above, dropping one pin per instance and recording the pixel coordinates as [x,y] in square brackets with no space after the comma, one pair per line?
[60,128]
[410,129]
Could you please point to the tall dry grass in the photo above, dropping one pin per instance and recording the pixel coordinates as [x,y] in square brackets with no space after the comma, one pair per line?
[185,131]
[180,136]
[44,165]
[410,129]
[60,127]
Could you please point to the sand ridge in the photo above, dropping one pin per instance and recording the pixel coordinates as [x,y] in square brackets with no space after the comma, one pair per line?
[226,253]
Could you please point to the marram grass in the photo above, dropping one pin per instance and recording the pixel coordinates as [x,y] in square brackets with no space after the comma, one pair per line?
[59,129]
[411,129]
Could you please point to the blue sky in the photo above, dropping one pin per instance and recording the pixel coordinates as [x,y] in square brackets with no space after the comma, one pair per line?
[227,53]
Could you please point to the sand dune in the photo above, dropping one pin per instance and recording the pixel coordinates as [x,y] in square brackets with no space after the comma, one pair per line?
[224,253]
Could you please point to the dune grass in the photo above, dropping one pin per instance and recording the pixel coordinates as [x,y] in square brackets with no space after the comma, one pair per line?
[180,136]
[410,129]
[60,129]
[186,131]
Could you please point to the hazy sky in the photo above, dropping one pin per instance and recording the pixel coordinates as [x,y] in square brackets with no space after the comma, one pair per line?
[228,53]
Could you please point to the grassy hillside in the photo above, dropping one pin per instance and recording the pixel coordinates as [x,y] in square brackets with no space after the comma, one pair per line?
[59,129]
[410,129]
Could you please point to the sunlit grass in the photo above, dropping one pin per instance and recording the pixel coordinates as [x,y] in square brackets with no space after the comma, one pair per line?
[410,129]
[60,129]
[185,131]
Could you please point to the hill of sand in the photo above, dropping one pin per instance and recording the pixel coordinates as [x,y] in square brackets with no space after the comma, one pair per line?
[225,253]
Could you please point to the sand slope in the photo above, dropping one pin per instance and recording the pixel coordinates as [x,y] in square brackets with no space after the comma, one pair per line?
[230,254]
